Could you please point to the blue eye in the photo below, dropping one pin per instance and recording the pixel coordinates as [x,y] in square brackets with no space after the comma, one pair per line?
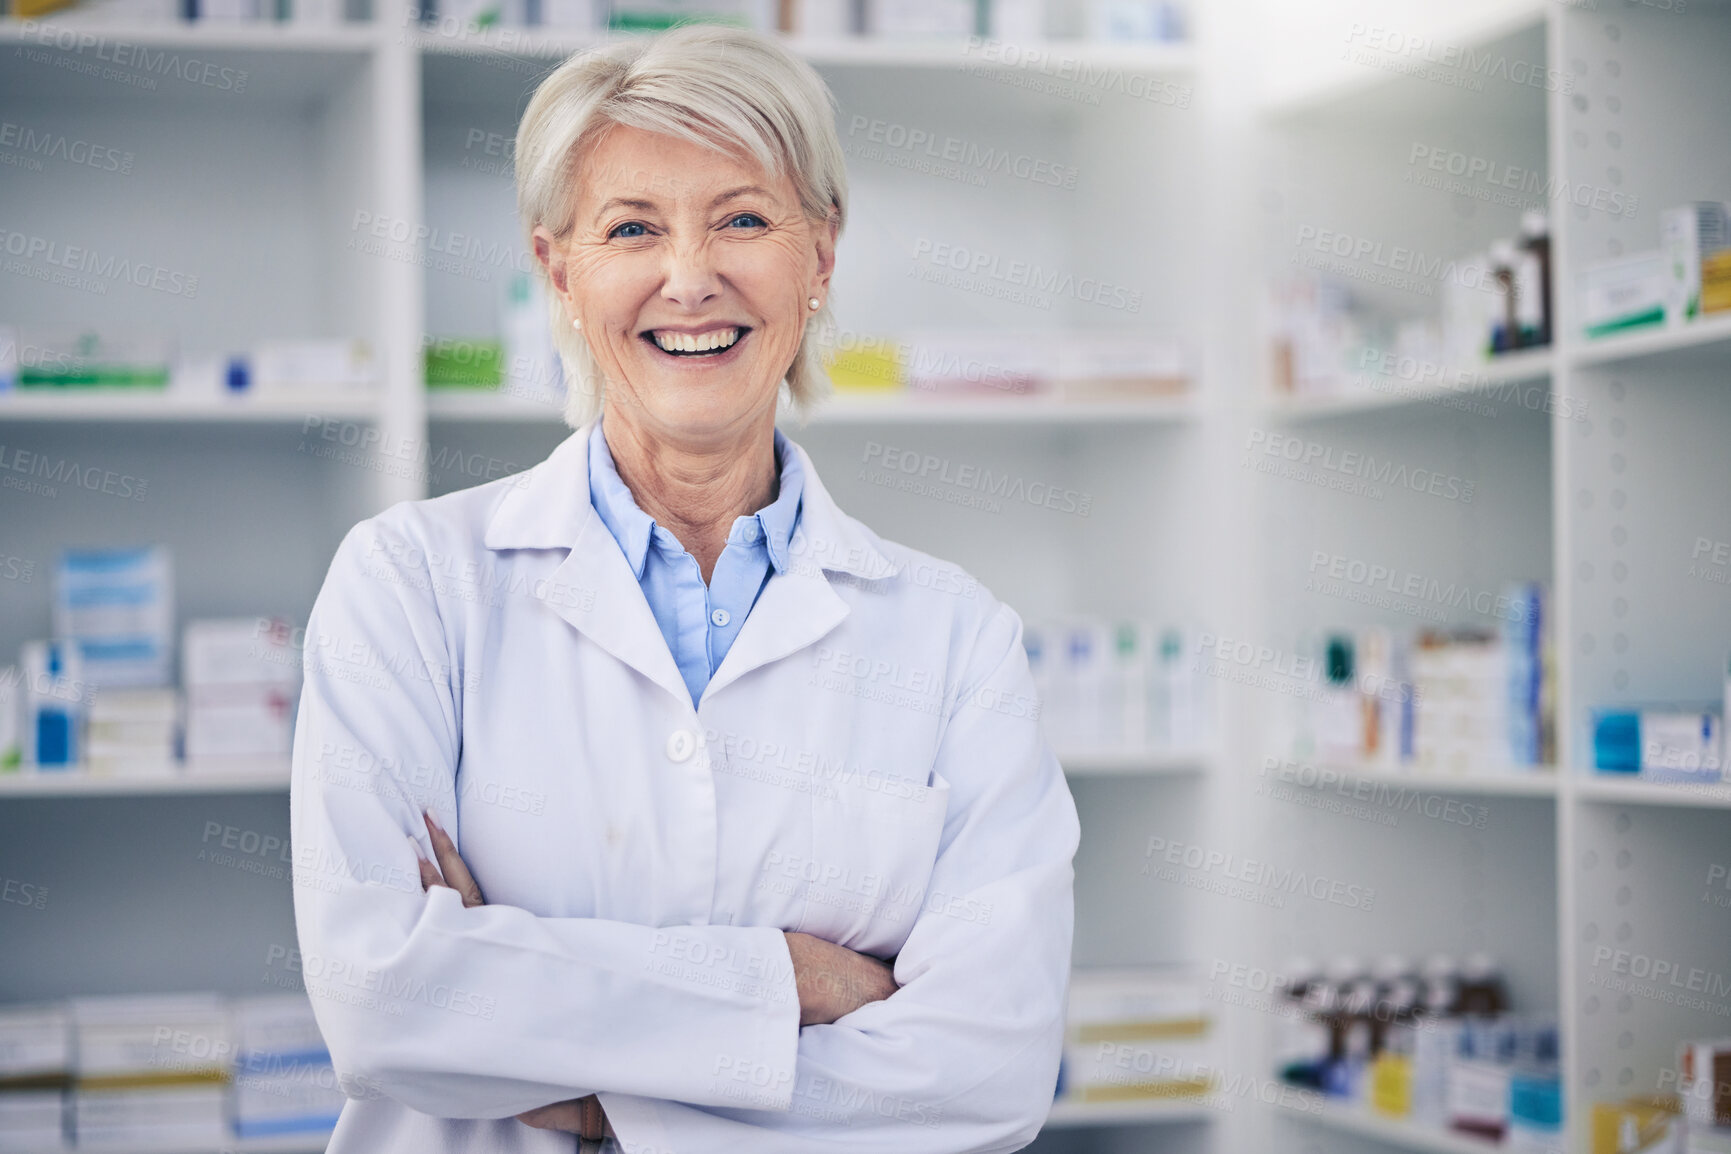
[622,234]
[748,220]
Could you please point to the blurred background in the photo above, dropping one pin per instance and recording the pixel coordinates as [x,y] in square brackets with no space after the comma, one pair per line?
[1336,389]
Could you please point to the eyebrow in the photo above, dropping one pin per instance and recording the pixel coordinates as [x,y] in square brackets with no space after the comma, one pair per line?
[642,205]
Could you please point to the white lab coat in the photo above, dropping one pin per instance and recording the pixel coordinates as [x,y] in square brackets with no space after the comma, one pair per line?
[866,765]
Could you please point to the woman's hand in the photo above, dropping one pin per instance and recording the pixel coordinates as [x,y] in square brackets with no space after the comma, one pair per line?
[450,866]
[581,1116]
[834,981]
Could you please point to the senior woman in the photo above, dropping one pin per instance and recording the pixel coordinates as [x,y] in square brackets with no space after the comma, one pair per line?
[736,828]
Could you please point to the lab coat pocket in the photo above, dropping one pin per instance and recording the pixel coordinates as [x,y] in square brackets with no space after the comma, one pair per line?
[874,842]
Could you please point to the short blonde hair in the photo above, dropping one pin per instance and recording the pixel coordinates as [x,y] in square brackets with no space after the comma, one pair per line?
[729,89]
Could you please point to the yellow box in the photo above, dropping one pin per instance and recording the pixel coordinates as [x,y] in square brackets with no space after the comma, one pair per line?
[1391,1085]
[869,367]
[1716,282]
[1653,1116]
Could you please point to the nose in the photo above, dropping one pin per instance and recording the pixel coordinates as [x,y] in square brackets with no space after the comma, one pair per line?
[691,278]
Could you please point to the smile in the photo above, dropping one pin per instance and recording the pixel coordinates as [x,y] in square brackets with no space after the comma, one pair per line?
[695,344]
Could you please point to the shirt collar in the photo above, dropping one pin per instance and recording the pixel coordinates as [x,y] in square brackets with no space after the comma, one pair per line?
[635,530]
[630,525]
[778,519]
[548,507]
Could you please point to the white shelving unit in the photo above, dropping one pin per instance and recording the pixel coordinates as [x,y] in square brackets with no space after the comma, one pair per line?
[1403,1135]
[1076,1115]
[267,196]
[264,775]
[1619,458]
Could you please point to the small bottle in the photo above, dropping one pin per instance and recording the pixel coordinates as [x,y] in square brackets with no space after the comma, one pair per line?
[1536,246]
[1435,1040]
[1380,742]
[54,705]
[1302,1046]
[1129,686]
[1344,974]
[1086,673]
[1391,1073]
[1440,987]
[1481,988]
[1505,327]
[1180,694]
[1322,1000]
[1340,736]
[1347,1078]
[1396,995]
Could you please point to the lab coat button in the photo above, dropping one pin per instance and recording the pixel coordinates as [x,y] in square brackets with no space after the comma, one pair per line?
[680,744]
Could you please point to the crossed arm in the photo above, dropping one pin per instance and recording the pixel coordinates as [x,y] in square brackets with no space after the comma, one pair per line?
[833,981]
[966,1050]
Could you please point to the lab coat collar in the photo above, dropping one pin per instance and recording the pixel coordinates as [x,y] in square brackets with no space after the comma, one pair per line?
[595,590]
[548,508]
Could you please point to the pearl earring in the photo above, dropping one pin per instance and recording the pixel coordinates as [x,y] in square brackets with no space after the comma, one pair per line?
[815,304]
[577,324]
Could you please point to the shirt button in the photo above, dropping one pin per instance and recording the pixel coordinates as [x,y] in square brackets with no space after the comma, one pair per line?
[720,617]
[680,744]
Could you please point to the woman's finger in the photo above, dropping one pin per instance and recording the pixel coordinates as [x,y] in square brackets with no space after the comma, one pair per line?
[456,874]
[566,1116]
[430,875]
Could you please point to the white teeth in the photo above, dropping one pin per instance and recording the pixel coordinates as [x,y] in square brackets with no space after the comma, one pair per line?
[700,343]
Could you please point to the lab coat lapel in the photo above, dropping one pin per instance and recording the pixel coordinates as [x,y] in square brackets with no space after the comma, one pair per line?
[798,607]
[596,591]
[795,609]
[594,588]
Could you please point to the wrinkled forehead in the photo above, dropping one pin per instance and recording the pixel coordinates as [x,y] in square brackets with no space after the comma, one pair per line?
[620,162]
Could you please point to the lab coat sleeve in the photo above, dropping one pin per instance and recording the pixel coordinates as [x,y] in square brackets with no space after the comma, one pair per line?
[964,1056]
[484,1012]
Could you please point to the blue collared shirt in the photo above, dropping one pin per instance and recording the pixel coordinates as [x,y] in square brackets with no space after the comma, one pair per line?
[698,621]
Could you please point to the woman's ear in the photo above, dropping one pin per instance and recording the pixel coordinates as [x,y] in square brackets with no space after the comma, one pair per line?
[547,252]
[826,233]
[551,256]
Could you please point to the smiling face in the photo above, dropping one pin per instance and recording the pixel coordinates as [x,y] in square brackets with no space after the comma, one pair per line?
[690,271]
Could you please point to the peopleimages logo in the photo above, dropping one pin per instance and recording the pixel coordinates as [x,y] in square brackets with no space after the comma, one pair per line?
[105,50]
[1358,466]
[1455,64]
[1392,579]
[1484,179]
[1256,874]
[932,145]
[988,269]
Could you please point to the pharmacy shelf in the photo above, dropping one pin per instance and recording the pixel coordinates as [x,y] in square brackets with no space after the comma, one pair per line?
[1391,392]
[907,410]
[1059,58]
[490,407]
[1341,90]
[262,775]
[485,406]
[1512,782]
[99,405]
[260,36]
[276,1144]
[1130,762]
[1406,1135]
[283,1144]
[1614,792]
[1703,341]
[1071,1115]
